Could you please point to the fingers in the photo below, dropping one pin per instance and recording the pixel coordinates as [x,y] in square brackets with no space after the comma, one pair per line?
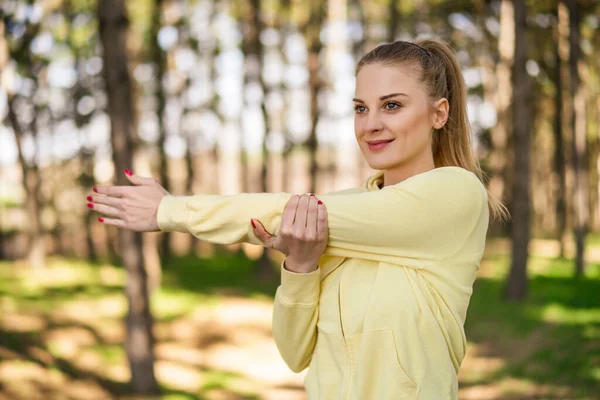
[311,218]
[302,213]
[322,221]
[106,200]
[289,212]
[113,221]
[114,191]
[260,232]
[138,180]
[106,210]
[121,191]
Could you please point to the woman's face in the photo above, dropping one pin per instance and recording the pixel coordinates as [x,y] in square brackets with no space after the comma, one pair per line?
[392,105]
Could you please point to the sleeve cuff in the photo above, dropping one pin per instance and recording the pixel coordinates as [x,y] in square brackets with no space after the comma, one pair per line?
[297,288]
[173,214]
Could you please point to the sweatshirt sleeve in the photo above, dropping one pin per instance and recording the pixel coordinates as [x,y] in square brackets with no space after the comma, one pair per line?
[416,222]
[295,315]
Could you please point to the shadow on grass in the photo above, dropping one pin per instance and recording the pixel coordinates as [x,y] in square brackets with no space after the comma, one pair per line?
[552,338]
[230,273]
[28,346]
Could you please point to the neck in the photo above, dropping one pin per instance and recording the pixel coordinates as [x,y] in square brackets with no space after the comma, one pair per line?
[401,172]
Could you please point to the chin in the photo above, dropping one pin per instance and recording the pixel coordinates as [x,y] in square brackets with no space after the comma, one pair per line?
[382,164]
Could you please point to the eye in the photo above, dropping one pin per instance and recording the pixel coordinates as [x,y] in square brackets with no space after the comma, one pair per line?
[360,109]
[392,105]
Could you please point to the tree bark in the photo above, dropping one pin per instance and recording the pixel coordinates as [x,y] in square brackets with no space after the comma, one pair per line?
[578,142]
[559,158]
[313,30]
[158,58]
[394,18]
[499,160]
[517,280]
[113,24]
[36,254]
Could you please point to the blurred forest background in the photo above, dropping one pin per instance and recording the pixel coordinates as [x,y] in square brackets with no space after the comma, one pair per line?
[230,96]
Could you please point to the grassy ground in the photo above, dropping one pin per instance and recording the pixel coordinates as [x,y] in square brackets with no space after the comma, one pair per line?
[61,331]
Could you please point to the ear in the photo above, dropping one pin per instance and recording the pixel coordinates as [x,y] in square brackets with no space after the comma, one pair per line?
[440,113]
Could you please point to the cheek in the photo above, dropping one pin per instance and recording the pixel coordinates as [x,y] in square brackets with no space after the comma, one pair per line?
[358,127]
[408,122]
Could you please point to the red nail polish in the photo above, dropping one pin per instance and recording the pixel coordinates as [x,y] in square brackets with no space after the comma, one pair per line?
[95,190]
[101,219]
[312,194]
[89,198]
[128,172]
[253,224]
[90,205]
[320,202]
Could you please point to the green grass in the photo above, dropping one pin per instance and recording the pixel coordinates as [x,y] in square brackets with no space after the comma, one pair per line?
[552,338]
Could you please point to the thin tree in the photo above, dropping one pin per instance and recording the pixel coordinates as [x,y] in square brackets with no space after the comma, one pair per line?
[312,34]
[20,52]
[559,157]
[139,342]
[578,142]
[516,288]
[394,19]
[158,59]
[499,159]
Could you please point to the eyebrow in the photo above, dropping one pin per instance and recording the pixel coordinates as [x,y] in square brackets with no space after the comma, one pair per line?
[387,96]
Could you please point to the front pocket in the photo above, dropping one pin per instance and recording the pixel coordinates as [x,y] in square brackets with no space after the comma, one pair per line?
[378,373]
[328,367]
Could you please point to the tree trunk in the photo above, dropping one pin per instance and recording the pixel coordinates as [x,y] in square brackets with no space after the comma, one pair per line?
[265,271]
[393,20]
[559,145]
[517,280]
[499,157]
[139,343]
[158,58]
[313,30]
[578,142]
[36,254]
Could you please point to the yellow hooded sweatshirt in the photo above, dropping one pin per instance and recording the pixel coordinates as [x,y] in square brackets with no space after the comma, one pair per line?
[382,317]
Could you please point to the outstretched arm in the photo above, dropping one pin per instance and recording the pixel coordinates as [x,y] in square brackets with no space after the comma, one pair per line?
[418,221]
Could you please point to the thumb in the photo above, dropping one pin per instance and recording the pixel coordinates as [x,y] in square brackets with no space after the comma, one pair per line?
[260,232]
[138,180]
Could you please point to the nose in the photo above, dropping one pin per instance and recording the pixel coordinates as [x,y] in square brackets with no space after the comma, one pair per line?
[373,122]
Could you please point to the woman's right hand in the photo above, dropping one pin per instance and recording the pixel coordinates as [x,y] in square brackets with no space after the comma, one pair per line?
[302,235]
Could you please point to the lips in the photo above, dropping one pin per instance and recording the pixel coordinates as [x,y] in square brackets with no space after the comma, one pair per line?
[378,144]
[373,142]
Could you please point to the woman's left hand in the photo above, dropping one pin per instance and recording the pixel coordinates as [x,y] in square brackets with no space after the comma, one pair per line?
[303,232]
[129,207]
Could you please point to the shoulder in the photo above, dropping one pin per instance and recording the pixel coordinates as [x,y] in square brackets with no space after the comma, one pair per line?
[347,191]
[452,179]
[449,188]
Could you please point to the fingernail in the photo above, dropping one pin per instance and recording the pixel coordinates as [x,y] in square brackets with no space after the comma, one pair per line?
[95,190]
[312,194]
[89,198]
[101,219]
[90,205]
[320,202]
[253,224]
[128,172]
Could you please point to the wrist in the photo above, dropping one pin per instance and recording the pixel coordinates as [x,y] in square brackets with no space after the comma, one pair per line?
[299,268]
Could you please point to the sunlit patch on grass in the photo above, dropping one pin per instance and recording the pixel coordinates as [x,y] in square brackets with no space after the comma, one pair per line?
[178,376]
[21,323]
[558,313]
[168,304]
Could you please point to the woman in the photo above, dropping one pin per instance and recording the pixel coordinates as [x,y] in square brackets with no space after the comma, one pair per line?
[377,279]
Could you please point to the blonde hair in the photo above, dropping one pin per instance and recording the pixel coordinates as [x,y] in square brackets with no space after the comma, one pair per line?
[440,72]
